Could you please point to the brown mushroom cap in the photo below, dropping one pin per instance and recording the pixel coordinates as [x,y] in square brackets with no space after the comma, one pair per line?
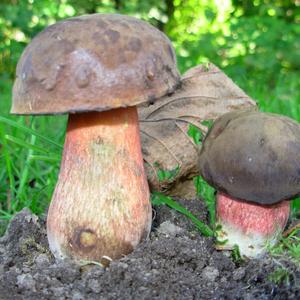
[95,62]
[253,156]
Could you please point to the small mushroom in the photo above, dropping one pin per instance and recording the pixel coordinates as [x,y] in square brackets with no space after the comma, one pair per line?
[98,68]
[253,160]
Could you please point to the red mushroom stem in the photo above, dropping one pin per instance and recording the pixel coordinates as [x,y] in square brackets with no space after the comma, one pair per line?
[250,226]
[100,206]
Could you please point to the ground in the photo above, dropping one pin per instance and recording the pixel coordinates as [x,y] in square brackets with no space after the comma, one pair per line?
[175,263]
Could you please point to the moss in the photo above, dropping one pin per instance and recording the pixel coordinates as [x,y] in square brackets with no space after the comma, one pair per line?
[29,247]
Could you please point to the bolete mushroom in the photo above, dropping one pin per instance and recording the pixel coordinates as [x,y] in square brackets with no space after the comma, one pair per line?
[98,68]
[253,160]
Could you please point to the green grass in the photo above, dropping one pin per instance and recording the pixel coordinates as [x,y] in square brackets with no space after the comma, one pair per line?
[280,276]
[29,164]
[287,255]
[283,98]
[29,158]
[207,194]
[288,247]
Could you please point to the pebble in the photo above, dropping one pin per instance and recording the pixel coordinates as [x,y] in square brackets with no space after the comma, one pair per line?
[77,296]
[210,273]
[238,274]
[58,291]
[94,285]
[42,260]
[169,228]
[25,281]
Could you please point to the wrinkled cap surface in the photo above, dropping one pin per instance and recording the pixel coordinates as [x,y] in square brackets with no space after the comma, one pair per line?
[95,62]
[253,156]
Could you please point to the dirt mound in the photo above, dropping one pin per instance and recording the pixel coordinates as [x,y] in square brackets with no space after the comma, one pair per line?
[175,263]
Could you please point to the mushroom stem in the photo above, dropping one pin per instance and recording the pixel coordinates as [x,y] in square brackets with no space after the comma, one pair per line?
[250,226]
[100,205]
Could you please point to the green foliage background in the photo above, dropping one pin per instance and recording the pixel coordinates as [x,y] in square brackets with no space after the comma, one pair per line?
[255,42]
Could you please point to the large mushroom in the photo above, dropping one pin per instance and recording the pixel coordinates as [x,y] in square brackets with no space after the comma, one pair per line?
[253,160]
[98,68]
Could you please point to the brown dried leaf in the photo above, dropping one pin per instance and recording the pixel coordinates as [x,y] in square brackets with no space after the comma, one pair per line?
[205,94]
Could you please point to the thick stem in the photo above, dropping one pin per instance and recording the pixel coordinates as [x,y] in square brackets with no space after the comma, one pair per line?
[100,205]
[250,226]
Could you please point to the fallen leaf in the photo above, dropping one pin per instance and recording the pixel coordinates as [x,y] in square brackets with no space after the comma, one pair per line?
[205,94]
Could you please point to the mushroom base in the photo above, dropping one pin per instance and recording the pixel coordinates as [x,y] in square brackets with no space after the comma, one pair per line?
[250,226]
[100,207]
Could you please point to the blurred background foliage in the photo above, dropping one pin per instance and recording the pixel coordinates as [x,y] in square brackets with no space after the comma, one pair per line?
[252,41]
[257,43]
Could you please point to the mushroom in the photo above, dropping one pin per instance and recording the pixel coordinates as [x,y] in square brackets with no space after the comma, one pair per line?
[98,68]
[253,160]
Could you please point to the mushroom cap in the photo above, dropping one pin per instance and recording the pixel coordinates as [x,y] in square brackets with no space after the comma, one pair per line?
[94,63]
[253,156]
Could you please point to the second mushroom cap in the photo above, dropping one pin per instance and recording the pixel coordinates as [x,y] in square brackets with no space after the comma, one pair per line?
[253,156]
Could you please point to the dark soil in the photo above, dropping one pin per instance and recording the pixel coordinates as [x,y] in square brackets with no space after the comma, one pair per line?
[175,263]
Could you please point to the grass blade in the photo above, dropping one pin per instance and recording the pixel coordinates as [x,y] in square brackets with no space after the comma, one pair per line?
[23,144]
[4,215]
[207,194]
[28,130]
[52,158]
[25,170]
[8,163]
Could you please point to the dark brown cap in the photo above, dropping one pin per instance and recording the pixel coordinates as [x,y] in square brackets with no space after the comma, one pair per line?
[95,62]
[253,156]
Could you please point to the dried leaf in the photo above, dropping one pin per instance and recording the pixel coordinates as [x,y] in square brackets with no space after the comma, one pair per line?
[205,94]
